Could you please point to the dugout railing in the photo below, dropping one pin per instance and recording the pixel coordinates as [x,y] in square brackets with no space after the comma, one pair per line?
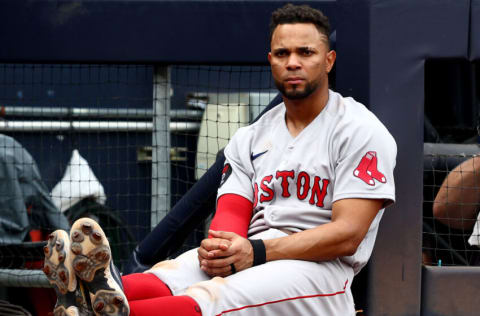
[382,47]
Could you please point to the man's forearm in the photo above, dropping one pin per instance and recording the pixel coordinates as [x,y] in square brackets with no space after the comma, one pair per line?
[326,242]
[351,219]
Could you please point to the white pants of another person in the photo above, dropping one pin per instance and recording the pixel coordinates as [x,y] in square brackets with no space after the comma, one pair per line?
[277,288]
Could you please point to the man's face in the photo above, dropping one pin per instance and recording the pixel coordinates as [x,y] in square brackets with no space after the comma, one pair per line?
[300,59]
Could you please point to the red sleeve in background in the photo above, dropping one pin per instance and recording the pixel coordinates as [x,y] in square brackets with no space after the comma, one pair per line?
[233,214]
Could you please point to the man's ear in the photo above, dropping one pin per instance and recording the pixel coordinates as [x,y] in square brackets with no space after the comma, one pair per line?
[331,57]
[269,56]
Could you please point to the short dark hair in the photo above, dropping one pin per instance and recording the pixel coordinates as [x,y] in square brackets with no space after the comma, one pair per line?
[289,14]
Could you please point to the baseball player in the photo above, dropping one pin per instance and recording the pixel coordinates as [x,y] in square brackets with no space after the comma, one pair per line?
[302,193]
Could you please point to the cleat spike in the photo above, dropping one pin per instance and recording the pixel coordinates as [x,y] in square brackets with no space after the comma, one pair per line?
[77,236]
[59,245]
[80,266]
[63,276]
[117,300]
[76,248]
[96,237]
[87,228]
[102,256]
[99,306]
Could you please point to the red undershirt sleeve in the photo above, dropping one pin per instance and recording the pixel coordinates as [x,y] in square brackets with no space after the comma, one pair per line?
[233,214]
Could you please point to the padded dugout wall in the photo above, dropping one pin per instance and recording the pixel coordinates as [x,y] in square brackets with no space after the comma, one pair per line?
[399,36]
[140,31]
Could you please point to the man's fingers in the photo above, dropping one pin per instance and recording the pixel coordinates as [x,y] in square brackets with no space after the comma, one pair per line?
[221,234]
[217,263]
[216,271]
[215,254]
[215,243]
[202,252]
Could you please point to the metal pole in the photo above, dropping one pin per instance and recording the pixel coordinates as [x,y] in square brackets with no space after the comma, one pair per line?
[161,146]
[92,126]
[94,113]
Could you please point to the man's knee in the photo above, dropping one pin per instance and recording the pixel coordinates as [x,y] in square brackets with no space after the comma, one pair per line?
[209,291]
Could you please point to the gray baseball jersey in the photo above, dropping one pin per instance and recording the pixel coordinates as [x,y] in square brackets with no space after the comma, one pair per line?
[345,152]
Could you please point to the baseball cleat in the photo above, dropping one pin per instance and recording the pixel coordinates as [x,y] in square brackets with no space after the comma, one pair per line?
[92,262]
[71,299]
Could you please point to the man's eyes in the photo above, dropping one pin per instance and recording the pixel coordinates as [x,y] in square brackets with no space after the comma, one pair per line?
[302,52]
[306,52]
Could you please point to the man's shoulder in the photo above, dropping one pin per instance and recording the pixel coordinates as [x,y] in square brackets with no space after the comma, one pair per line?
[354,118]
[354,112]
[347,104]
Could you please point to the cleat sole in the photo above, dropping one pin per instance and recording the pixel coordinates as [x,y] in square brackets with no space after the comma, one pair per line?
[91,261]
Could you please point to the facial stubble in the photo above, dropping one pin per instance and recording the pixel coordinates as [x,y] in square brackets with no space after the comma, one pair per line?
[296,93]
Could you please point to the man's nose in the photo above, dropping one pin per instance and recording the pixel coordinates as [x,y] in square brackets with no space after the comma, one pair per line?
[293,62]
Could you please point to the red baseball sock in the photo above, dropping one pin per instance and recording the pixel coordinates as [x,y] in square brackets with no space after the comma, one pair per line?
[140,286]
[167,305]
[148,295]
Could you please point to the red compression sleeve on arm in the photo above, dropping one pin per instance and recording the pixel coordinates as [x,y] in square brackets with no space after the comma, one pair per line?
[234,213]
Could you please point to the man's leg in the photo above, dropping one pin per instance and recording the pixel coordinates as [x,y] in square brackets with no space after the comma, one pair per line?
[147,295]
[180,273]
[282,287]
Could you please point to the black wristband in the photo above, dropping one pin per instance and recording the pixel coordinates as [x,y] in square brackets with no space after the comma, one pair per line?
[259,252]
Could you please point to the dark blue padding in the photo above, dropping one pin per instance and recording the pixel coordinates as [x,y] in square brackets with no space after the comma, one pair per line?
[381,58]
[450,291]
[188,31]
[475,31]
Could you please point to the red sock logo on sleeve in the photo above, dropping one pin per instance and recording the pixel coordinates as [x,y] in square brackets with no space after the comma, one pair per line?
[367,169]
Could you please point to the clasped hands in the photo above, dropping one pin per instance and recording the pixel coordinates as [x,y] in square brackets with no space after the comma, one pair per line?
[216,254]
